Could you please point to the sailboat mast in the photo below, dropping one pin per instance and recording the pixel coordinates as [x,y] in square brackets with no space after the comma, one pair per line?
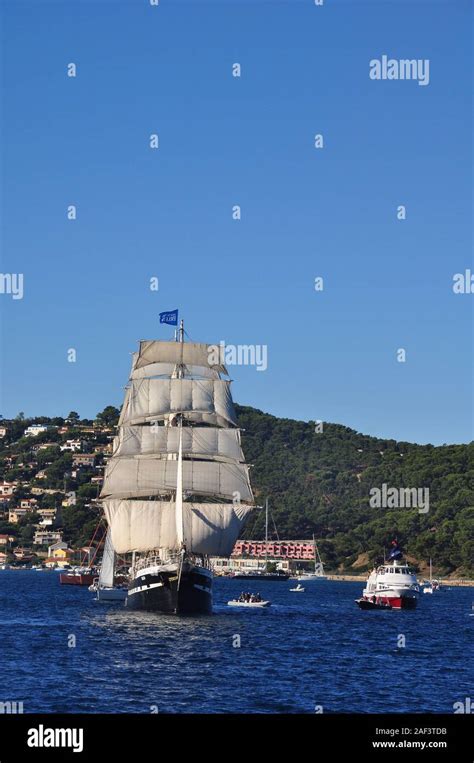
[179,490]
[266,533]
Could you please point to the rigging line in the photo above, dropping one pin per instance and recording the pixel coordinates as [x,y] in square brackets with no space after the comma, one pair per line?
[257,519]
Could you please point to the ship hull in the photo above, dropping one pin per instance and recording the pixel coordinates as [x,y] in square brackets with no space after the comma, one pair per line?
[162,590]
[382,600]
[76,579]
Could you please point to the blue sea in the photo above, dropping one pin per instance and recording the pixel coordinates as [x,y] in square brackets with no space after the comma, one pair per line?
[310,651]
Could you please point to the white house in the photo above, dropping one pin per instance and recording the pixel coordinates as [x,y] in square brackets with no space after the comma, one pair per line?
[7,488]
[35,429]
[72,445]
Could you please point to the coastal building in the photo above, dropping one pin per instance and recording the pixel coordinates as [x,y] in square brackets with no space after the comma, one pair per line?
[83,459]
[59,555]
[7,488]
[71,445]
[48,516]
[223,565]
[22,553]
[301,550]
[14,515]
[43,490]
[44,537]
[4,541]
[35,429]
[60,545]
[3,431]
[251,555]
[28,503]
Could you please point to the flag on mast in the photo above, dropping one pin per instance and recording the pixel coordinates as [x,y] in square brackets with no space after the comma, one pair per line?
[170,317]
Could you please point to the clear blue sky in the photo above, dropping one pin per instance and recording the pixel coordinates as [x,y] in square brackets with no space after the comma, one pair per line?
[247,141]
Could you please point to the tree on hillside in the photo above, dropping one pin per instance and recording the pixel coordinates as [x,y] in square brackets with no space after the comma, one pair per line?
[109,416]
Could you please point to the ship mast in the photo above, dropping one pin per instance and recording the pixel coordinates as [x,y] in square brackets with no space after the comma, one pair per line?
[179,470]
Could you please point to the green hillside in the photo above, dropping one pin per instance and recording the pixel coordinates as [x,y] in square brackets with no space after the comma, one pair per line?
[320,483]
[316,482]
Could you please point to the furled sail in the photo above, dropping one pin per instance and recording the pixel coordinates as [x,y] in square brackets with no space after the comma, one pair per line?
[140,476]
[187,353]
[168,370]
[199,400]
[106,576]
[210,528]
[202,442]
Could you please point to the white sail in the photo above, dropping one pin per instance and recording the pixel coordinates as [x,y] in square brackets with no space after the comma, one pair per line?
[203,442]
[142,476]
[210,528]
[187,353]
[168,369]
[106,576]
[152,458]
[206,400]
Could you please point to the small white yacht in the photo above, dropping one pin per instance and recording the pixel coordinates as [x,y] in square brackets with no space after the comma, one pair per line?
[391,585]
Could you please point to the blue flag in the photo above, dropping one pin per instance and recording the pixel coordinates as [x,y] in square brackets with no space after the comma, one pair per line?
[170,317]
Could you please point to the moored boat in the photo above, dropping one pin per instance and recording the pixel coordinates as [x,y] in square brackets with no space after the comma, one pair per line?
[263,574]
[318,573]
[81,576]
[107,586]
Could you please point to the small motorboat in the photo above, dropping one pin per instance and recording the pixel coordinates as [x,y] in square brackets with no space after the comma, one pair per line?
[428,589]
[299,589]
[257,604]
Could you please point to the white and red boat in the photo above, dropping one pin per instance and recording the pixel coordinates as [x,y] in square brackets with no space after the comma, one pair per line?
[391,585]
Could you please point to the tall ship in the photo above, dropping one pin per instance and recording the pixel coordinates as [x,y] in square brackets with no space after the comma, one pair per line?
[176,490]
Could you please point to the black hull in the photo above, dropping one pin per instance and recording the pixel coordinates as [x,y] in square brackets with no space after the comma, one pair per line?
[157,591]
